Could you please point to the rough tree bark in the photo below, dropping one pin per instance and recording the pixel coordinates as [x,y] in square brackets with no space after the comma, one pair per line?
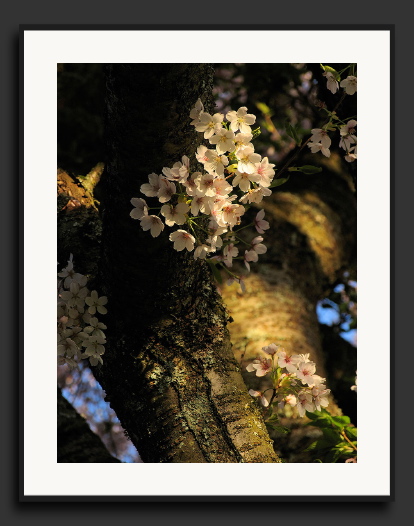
[75,441]
[311,241]
[169,371]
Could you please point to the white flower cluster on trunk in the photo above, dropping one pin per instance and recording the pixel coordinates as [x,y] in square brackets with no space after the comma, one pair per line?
[230,178]
[294,380]
[79,331]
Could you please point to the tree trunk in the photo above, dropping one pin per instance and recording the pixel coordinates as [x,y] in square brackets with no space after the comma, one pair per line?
[311,241]
[169,371]
[75,441]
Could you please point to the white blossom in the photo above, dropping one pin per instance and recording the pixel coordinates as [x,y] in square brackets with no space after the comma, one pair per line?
[350,85]
[348,134]
[260,224]
[247,159]
[191,183]
[67,347]
[271,349]
[242,140]
[179,172]
[215,162]
[262,366]
[96,303]
[261,395]
[222,187]
[166,191]
[231,213]
[305,372]
[153,224]
[152,188]
[93,350]
[75,331]
[205,185]
[223,139]
[195,112]
[201,251]
[319,147]
[256,195]
[182,239]
[75,296]
[332,83]
[230,251]
[175,214]
[243,180]
[200,203]
[320,135]
[265,171]
[258,246]
[141,208]
[287,361]
[241,120]
[207,123]
[320,394]
[69,275]
[351,156]
[305,403]
[201,154]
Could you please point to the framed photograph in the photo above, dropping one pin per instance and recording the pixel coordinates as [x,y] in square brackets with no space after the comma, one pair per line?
[210,233]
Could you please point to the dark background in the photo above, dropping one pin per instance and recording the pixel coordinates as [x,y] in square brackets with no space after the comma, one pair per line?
[186,513]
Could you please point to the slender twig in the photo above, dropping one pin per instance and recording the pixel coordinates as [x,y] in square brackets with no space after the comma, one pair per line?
[347,439]
[271,400]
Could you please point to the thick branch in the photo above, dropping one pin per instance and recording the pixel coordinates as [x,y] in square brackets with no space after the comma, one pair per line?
[311,240]
[75,441]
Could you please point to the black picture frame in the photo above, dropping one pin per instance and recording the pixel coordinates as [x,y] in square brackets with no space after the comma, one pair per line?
[218,498]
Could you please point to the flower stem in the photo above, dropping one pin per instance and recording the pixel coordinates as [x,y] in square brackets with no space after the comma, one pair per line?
[343,434]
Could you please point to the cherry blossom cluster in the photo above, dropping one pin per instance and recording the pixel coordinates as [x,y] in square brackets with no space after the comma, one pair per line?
[80,333]
[230,178]
[294,380]
[349,84]
[320,140]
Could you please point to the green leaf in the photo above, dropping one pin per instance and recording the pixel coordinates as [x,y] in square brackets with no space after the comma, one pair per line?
[278,182]
[289,129]
[307,169]
[322,417]
[264,108]
[351,432]
[293,132]
[342,419]
[312,416]
[333,71]
[215,271]
[336,455]
[319,444]
[282,429]
[331,436]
